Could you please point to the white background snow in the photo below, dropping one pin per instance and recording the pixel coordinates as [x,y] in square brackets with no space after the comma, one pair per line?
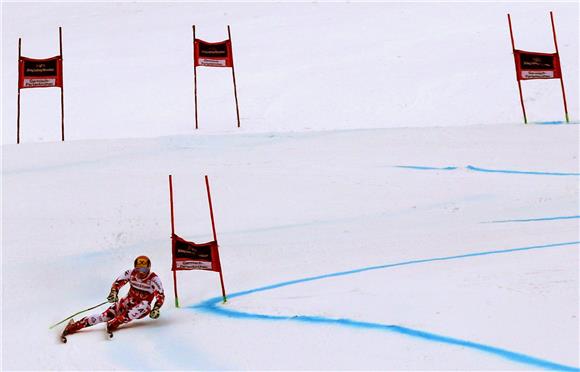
[334,97]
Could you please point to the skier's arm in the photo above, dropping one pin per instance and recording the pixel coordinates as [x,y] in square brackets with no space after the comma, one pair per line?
[118,284]
[121,280]
[159,293]
[159,297]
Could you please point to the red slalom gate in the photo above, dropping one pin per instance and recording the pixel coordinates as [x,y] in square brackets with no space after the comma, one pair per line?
[216,54]
[40,73]
[536,65]
[187,255]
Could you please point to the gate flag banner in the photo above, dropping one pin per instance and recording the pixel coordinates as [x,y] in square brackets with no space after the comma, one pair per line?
[193,256]
[40,73]
[533,65]
[213,54]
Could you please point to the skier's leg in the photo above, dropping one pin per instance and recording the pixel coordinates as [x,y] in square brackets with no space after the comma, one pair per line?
[90,320]
[103,317]
[132,311]
[139,311]
[121,314]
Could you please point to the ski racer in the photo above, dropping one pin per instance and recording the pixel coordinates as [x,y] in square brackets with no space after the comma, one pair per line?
[145,286]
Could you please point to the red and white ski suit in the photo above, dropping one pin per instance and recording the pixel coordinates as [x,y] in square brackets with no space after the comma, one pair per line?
[136,304]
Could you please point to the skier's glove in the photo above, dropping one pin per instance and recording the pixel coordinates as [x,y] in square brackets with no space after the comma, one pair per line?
[113,296]
[154,314]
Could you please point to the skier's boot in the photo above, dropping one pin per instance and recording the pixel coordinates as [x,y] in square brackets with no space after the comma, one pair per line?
[73,326]
[114,323]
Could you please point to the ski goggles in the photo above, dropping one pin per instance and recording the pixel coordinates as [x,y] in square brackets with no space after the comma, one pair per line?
[142,270]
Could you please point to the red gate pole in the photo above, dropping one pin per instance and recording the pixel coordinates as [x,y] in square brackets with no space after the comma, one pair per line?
[234,78]
[517,77]
[194,77]
[62,87]
[18,112]
[561,75]
[173,241]
[215,236]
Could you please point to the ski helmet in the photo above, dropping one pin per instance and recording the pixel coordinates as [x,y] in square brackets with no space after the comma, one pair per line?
[142,262]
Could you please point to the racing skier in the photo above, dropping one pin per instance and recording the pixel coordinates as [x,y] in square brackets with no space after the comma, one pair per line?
[145,286]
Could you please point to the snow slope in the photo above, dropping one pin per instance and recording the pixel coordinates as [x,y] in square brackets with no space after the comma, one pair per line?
[290,206]
[370,216]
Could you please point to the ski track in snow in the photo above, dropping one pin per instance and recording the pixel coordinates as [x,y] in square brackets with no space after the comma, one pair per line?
[478,169]
[212,306]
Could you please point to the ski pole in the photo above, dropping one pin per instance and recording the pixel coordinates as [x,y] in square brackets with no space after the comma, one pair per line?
[75,314]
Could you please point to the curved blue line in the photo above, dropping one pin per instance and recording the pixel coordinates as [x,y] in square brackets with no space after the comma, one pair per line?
[477,169]
[212,306]
[506,354]
[537,219]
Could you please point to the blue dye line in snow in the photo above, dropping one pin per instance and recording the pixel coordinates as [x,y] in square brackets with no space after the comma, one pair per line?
[470,167]
[537,219]
[478,169]
[556,122]
[212,306]
[506,354]
[424,168]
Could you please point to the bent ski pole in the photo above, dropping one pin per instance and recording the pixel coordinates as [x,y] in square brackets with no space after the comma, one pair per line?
[75,314]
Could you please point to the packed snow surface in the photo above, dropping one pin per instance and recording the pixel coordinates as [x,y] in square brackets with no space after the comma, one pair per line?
[382,207]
